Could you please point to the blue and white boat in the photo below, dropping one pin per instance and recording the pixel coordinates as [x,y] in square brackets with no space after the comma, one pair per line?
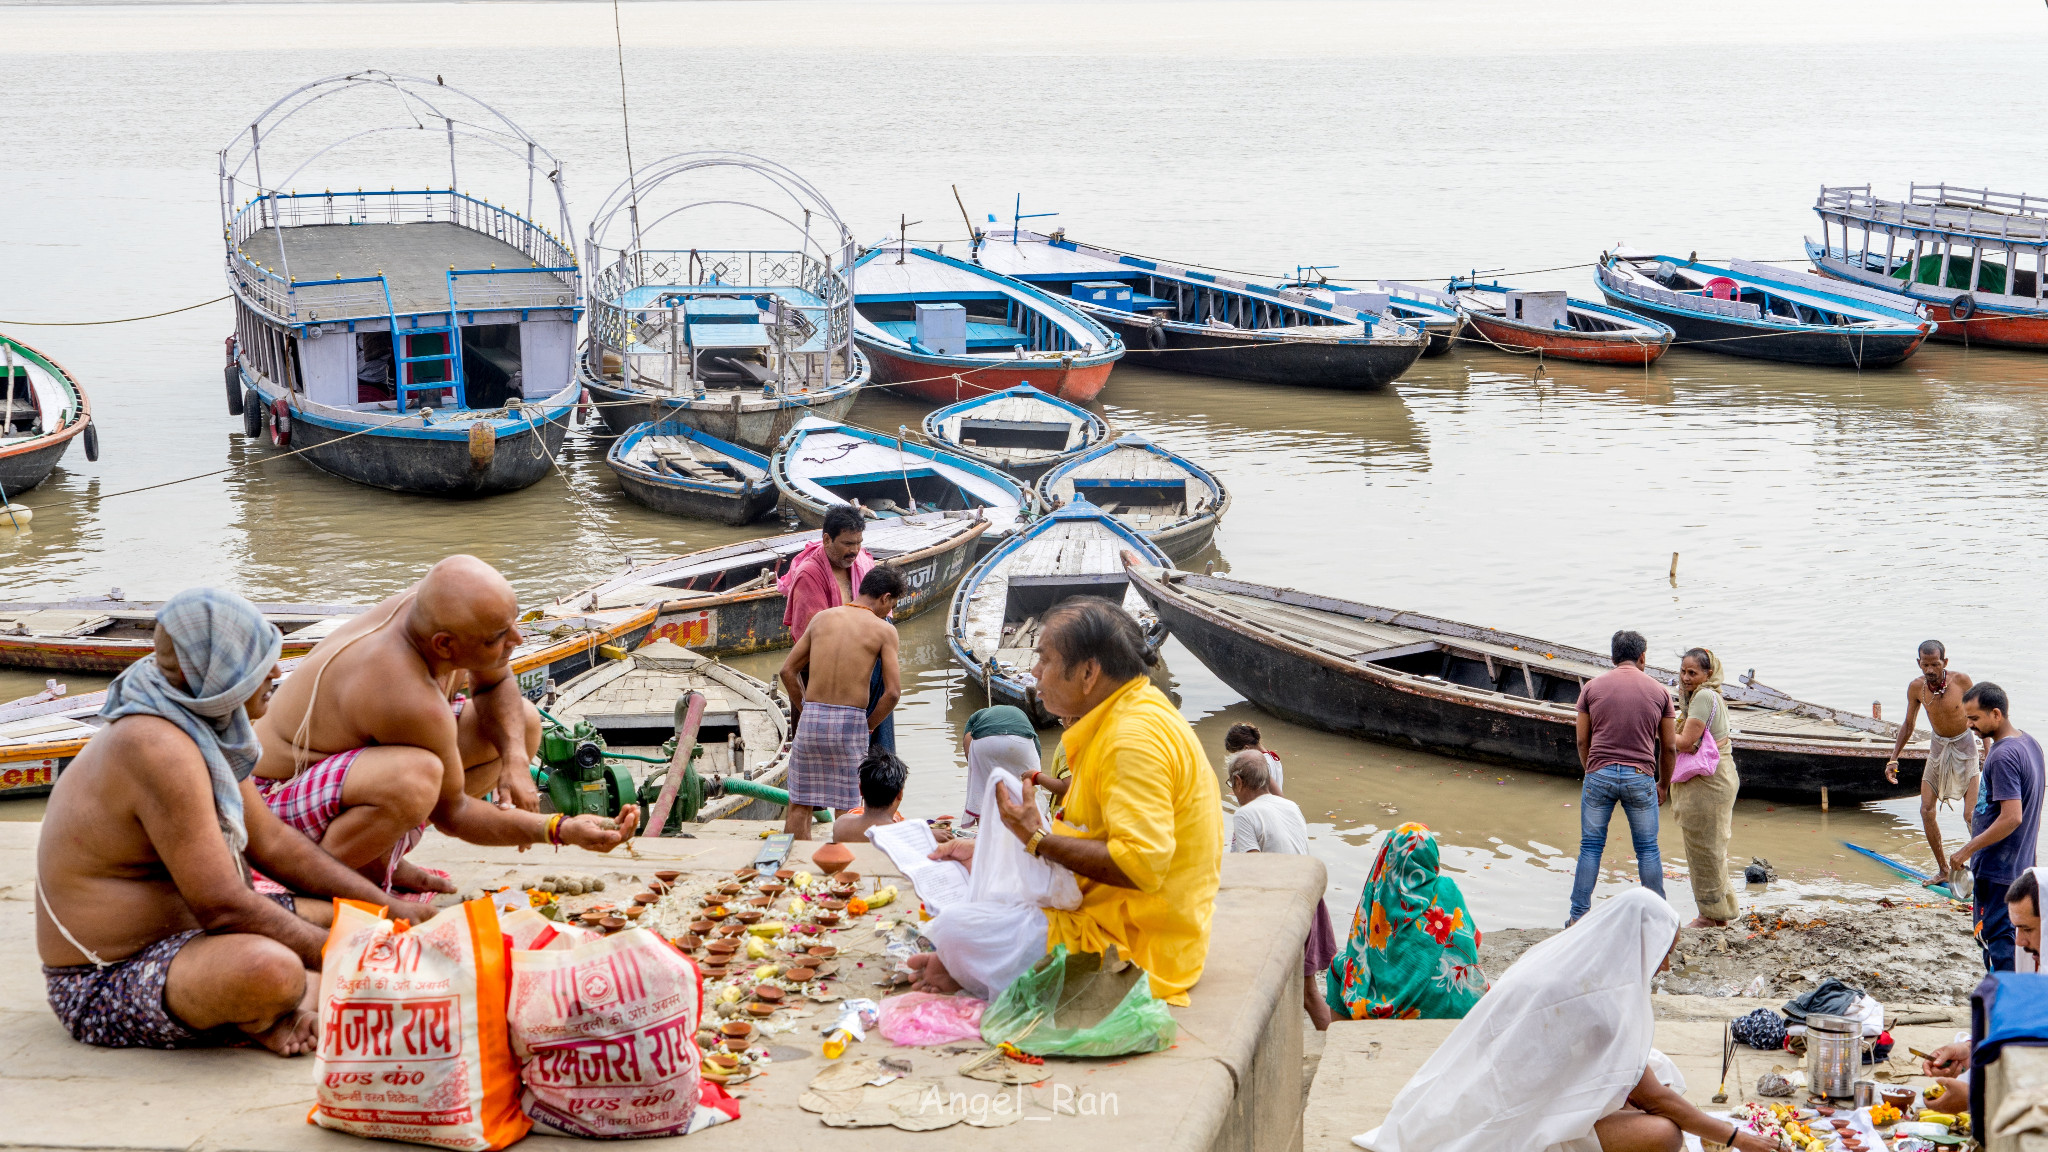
[993,625]
[420,339]
[940,329]
[722,298]
[1021,430]
[821,463]
[1163,496]
[1184,320]
[1763,312]
[674,468]
[1417,305]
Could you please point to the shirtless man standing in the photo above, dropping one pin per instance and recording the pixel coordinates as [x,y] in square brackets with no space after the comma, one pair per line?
[827,676]
[362,747]
[150,935]
[1952,749]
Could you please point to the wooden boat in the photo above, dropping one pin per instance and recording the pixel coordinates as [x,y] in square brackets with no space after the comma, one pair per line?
[1764,313]
[1559,327]
[1184,320]
[821,463]
[1966,248]
[419,339]
[992,628]
[674,468]
[42,409]
[38,738]
[1482,694]
[1427,309]
[942,329]
[736,342]
[744,734]
[1020,430]
[105,635]
[724,601]
[1165,497]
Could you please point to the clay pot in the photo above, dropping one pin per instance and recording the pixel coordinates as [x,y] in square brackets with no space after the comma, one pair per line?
[668,877]
[799,975]
[724,930]
[745,874]
[736,1030]
[849,878]
[750,916]
[831,858]
[768,994]
[716,912]
[832,905]
[760,1011]
[722,947]
[760,901]
[712,971]
[645,898]
[826,919]
[722,1061]
[772,890]
[700,927]
[636,911]
[785,874]
[730,889]
[689,943]
[1900,1098]
[822,952]
[612,923]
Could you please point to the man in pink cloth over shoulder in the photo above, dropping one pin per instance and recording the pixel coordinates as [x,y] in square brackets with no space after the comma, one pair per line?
[826,574]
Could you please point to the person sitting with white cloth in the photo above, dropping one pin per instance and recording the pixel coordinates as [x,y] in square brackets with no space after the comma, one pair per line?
[1557,1056]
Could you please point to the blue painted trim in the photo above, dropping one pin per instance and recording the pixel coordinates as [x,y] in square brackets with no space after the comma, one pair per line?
[501,425]
[1128,440]
[1907,322]
[638,432]
[794,440]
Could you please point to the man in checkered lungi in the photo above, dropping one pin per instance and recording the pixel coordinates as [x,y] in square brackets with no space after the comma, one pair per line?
[827,675]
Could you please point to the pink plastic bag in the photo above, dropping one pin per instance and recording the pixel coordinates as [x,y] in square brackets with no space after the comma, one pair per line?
[915,1019]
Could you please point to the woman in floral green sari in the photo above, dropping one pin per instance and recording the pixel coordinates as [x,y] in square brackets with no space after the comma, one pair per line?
[1413,953]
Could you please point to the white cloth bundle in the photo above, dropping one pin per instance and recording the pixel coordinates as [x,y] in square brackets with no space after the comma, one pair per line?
[988,941]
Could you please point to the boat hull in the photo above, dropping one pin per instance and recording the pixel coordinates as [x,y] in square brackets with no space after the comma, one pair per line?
[1311,364]
[29,465]
[1821,348]
[1322,692]
[1988,326]
[1579,346]
[942,381]
[753,423]
[86,654]
[735,624]
[745,508]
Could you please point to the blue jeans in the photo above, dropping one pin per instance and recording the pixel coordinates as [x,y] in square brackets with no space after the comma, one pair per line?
[1995,934]
[1637,795]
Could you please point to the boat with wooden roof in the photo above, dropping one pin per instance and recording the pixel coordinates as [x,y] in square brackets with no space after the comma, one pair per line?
[674,468]
[1020,430]
[1744,308]
[724,601]
[1559,327]
[1482,694]
[729,314]
[39,736]
[419,339]
[1975,259]
[992,627]
[105,635]
[1185,320]
[42,410]
[1161,495]
[942,329]
[822,463]
[743,735]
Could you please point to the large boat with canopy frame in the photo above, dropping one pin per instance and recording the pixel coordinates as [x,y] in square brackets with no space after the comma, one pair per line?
[418,338]
[1977,260]
[737,342]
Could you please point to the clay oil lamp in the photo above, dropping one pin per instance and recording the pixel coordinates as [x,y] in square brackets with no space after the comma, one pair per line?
[636,911]
[821,952]
[723,948]
[645,898]
[669,876]
[745,874]
[773,889]
[612,923]
[799,975]
[700,927]
[832,905]
[689,943]
[725,1063]
[785,874]
[760,1011]
[768,994]
[760,901]
[826,919]
[750,916]
[730,889]
[848,878]
[728,930]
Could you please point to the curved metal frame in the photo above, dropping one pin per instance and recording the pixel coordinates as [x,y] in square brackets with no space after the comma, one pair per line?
[824,263]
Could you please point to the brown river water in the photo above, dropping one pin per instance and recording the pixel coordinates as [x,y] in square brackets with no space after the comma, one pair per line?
[1826,521]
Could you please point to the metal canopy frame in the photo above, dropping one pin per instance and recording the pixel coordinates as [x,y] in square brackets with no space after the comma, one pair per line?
[622,257]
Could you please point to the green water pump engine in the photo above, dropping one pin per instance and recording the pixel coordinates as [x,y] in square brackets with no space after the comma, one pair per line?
[581,776]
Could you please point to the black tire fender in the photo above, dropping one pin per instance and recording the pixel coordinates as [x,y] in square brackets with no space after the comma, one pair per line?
[92,442]
[233,374]
[252,413]
[1962,307]
[1155,337]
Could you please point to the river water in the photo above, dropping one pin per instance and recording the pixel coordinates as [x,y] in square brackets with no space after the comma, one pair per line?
[1826,521]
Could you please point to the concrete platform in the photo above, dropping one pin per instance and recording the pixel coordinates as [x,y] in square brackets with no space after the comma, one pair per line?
[1367,1062]
[1232,1081]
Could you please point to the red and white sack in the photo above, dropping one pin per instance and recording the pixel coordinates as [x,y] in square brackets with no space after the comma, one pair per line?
[413,1042]
[605,1034]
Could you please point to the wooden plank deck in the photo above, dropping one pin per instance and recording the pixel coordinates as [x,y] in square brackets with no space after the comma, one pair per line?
[415,258]
[1074,548]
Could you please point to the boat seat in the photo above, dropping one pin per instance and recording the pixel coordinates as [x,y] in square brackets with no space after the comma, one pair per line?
[53,623]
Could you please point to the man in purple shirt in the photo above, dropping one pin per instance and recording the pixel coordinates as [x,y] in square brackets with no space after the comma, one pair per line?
[1628,744]
[2005,826]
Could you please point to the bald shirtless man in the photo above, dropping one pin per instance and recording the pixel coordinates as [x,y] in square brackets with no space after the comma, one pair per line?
[1952,749]
[362,747]
[149,933]
[828,676]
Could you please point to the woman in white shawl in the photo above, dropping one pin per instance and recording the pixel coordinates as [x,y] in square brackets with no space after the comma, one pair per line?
[1557,1056]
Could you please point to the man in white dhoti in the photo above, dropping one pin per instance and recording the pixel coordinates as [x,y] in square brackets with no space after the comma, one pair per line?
[1952,753]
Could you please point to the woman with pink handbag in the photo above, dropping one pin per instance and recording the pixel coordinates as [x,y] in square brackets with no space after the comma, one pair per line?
[1703,785]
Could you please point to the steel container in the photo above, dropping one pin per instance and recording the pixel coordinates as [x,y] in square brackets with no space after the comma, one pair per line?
[1834,1054]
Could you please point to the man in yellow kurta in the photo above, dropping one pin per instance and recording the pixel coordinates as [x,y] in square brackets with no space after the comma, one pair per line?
[1143,826]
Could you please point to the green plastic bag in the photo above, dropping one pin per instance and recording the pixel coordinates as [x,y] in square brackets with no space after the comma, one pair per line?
[1068,1006]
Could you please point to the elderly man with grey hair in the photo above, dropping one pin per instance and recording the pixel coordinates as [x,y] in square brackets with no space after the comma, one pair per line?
[1266,821]
[150,934]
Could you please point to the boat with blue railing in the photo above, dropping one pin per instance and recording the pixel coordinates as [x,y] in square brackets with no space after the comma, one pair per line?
[420,338]
[1162,495]
[1021,430]
[1185,320]
[740,339]
[42,409]
[943,329]
[1429,309]
[674,468]
[1552,324]
[1749,309]
[822,463]
[994,623]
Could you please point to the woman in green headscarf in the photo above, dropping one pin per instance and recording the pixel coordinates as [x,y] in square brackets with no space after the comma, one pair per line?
[1413,953]
[1704,805]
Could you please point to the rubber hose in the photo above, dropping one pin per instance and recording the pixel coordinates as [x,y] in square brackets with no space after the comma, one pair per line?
[768,792]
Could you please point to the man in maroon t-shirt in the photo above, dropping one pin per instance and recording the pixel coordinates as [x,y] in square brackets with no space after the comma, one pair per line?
[1628,743]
